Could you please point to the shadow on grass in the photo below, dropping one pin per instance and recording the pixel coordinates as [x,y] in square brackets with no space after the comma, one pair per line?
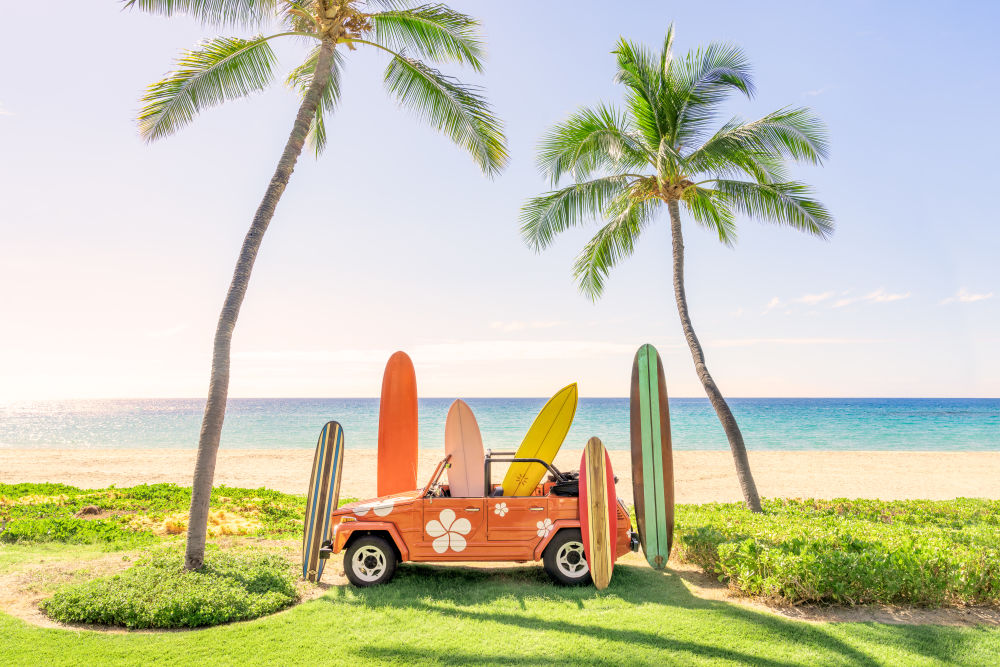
[460,593]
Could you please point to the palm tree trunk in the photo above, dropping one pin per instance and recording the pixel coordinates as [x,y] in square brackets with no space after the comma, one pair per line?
[725,415]
[218,387]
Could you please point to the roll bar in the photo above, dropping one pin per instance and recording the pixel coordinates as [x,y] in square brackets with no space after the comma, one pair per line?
[511,457]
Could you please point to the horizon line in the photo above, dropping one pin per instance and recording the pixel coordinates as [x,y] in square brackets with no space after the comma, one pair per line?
[477,398]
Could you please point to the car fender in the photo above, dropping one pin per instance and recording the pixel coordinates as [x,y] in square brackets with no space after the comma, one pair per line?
[556,527]
[343,531]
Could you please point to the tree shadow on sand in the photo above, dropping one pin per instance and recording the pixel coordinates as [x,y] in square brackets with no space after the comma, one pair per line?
[460,592]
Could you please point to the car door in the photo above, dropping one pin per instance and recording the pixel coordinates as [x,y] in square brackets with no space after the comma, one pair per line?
[516,518]
[453,529]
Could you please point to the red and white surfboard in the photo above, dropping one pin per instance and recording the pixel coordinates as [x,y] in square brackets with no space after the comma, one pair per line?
[598,512]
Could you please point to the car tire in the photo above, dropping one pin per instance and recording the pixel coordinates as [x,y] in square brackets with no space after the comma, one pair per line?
[369,561]
[564,559]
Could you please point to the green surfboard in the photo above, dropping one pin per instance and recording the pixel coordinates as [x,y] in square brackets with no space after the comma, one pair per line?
[652,457]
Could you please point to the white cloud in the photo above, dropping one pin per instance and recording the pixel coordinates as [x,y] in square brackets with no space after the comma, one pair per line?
[745,342]
[4,112]
[812,299]
[814,93]
[455,352]
[771,305]
[878,296]
[517,325]
[965,296]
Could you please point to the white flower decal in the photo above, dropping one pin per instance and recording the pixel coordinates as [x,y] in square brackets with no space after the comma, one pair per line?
[448,532]
[380,507]
[544,527]
[500,509]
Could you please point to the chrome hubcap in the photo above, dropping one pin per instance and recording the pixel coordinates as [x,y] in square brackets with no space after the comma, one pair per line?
[368,563]
[571,560]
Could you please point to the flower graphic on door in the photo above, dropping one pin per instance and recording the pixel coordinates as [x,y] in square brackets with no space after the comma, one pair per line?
[544,527]
[500,509]
[448,532]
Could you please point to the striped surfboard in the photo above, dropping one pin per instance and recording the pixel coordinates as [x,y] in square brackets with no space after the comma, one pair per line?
[652,457]
[598,512]
[324,492]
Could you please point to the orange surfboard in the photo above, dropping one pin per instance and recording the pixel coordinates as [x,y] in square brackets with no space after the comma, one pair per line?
[397,427]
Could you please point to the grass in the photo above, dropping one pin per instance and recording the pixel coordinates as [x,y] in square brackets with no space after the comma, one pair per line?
[156,592]
[511,616]
[850,551]
[514,616]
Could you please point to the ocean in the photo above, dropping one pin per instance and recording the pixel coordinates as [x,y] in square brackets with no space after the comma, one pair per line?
[894,424]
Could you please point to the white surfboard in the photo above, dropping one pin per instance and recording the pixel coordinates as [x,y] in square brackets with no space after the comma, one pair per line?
[465,444]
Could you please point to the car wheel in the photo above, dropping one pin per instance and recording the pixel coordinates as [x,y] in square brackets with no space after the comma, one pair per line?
[564,559]
[369,561]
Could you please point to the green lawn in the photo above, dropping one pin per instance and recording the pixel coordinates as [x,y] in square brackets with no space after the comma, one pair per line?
[448,615]
[441,615]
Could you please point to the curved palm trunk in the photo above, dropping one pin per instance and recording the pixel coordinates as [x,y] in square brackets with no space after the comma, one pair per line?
[218,388]
[725,415]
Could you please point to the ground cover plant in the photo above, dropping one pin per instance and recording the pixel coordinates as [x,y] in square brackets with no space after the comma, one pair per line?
[131,517]
[913,552]
[157,592]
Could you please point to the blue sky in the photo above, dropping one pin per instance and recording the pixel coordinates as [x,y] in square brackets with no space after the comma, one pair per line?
[115,255]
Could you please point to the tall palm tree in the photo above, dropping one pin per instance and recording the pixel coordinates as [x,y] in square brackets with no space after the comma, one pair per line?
[224,68]
[659,151]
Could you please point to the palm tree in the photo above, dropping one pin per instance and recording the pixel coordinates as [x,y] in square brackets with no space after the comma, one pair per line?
[224,68]
[659,151]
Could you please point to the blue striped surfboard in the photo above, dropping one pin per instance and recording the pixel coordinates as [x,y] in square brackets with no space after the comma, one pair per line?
[324,492]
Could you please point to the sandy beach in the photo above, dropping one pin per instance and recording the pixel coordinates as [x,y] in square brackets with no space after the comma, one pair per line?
[701,476]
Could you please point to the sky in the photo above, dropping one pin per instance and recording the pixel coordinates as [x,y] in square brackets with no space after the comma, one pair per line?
[115,254]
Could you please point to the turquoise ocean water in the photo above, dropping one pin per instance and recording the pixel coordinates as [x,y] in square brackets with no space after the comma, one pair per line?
[767,423]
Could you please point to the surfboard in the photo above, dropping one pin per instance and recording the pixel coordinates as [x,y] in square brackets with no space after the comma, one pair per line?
[598,512]
[322,498]
[464,442]
[542,441]
[397,427]
[652,457]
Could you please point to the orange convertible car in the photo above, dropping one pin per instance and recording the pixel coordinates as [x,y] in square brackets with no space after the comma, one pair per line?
[429,525]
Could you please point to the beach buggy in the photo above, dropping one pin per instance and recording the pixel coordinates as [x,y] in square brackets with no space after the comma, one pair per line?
[430,525]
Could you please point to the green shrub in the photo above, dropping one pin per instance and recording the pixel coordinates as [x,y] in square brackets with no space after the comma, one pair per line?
[75,531]
[47,512]
[850,551]
[158,593]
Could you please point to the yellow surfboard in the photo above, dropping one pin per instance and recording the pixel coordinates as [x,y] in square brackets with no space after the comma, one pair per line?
[542,441]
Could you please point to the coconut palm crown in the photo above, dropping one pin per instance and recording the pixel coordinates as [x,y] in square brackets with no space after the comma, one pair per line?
[223,68]
[661,151]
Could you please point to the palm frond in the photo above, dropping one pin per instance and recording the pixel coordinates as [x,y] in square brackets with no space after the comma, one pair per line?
[223,13]
[390,4]
[699,82]
[433,31]
[223,68]
[760,148]
[455,109]
[711,210]
[637,70]
[591,139]
[730,152]
[789,203]
[554,212]
[612,243]
[299,16]
[301,77]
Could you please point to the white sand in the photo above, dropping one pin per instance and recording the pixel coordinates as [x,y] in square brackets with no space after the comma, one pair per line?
[700,476]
